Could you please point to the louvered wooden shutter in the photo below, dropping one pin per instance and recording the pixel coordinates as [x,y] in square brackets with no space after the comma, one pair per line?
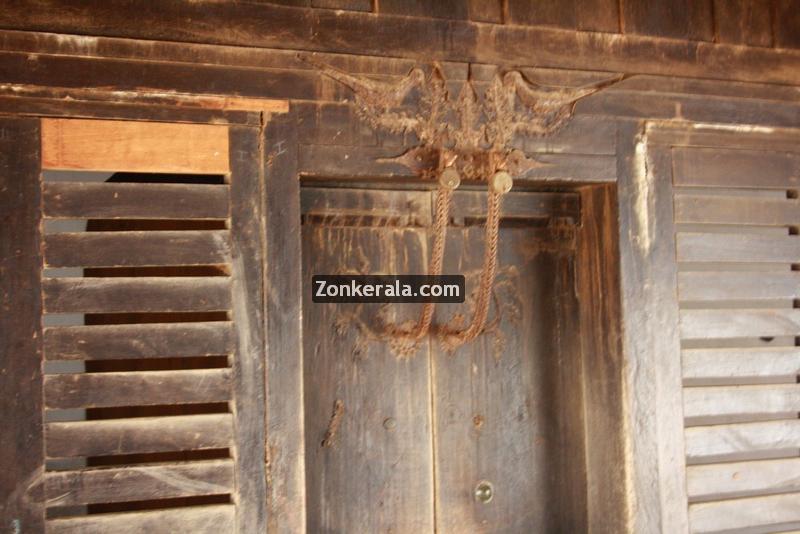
[736,215]
[173,438]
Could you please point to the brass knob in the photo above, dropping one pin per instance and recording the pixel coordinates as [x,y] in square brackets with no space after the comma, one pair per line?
[449,179]
[484,491]
[501,182]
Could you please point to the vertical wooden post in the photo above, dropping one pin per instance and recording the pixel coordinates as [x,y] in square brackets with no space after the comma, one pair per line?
[650,338]
[248,316]
[21,445]
[283,308]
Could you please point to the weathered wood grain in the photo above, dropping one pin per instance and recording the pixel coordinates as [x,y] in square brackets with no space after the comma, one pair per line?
[78,144]
[139,483]
[360,207]
[248,372]
[286,497]
[138,435]
[200,519]
[682,19]
[741,363]
[786,22]
[650,336]
[21,449]
[376,470]
[708,167]
[598,278]
[132,341]
[745,22]
[271,26]
[707,247]
[508,407]
[743,513]
[733,400]
[736,210]
[81,200]
[137,248]
[128,294]
[730,286]
[717,440]
[705,482]
[93,390]
[719,324]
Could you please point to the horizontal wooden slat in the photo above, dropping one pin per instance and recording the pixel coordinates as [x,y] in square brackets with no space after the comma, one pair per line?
[136,249]
[130,341]
[90,390]
[722,286]
[138,435]
[750,399]
[519,204]
[138,483]
[743,513]
[78,144]
[83,200]
[196,519]
[110,295]
[713,324]
[735,363]
[742,437]
[735,168]
[701,247]
[743,477]
[736,210]
[413,206]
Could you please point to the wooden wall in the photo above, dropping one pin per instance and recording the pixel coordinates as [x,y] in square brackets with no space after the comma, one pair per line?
[222,62]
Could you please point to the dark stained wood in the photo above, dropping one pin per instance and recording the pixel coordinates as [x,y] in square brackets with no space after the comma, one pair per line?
[93,390]
[270,26]
[680,19]
[357,207]
[133,341]
[200,519]
[286,509]
[210,477]
[369,162]
[650,335]
[520,205]
[376,473]
[21,449]
[113,295]
[134,201]
[247,274]
[786,23]
[352,5]
[594,15]
[735,168]
[745,22]
[137,248]
[508,407]
[449,9]
[485,10]
[139,435]
[598,287]
[702,247]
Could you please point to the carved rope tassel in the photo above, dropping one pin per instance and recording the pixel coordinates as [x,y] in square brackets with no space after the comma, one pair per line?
[499,184]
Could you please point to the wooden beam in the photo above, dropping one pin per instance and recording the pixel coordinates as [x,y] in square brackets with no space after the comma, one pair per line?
[21,448]
[271,26]
[282,312]
[650,338]
[77,144]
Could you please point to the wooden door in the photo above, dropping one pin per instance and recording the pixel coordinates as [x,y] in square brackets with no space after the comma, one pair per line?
[487,437]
